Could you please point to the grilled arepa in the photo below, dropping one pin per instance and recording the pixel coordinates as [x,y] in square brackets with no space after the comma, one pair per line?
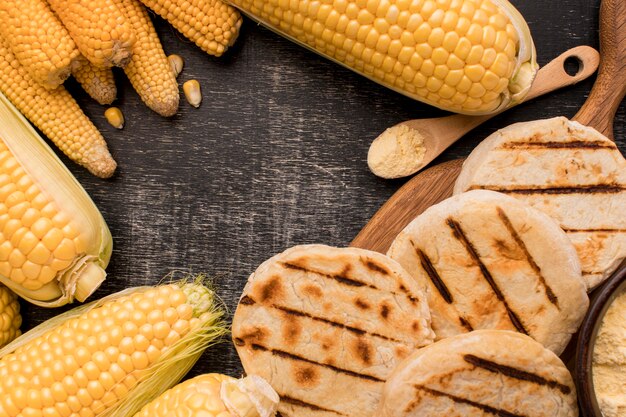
[326,326]
[569,171]
[482,373]
[490,261]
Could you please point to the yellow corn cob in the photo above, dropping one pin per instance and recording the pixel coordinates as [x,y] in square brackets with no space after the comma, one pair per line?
[466,56]
[38,40]
[10,318]
[211,24]
[98,82]
[215,395]
[110,357]
[54,243]
[57,115]
[149,70]
[100,30]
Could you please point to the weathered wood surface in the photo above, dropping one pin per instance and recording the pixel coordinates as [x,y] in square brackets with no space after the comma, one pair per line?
[274,157]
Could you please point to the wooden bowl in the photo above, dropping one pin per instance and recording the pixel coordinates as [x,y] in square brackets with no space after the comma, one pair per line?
[601,299]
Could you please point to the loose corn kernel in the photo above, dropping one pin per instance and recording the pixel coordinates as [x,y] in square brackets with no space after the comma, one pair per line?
[77,365]
[98,82]
[101,32]
[193,92]
[213,25]
[177,63]
[10,318]
[381,38]
[149,70]
[38,41]
[115,117]
[57,115]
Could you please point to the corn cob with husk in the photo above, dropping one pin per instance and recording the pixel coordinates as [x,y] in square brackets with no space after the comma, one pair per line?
[98,82]
[110,357]
[215,395]
[54,243]
[10,318]
[101,32]
[465,56]
[38,41]
[149,70]
[57,115]
[213,25]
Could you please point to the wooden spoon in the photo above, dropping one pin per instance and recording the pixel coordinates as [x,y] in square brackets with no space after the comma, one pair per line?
[387,157]
[435,184]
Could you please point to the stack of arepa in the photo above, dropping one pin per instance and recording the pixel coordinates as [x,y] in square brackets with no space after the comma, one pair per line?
[468,311]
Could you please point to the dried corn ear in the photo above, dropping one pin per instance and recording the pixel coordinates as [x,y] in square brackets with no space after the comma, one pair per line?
[98,82]
[38,40]
[101,32]
[149,70]
[54,243]
[57,115]
[215,395]
[466,56]
[110,357]
[213,25]
[10,318]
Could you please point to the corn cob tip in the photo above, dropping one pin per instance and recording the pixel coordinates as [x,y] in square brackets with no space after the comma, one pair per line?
[99,161]
[166,107]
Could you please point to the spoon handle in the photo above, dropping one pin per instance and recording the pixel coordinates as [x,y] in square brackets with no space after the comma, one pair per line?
[610,86]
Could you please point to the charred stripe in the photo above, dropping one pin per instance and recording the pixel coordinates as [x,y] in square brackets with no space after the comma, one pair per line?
[347,281]
[465,323]
[471,250]
[483,407]
[352,329]
[599,230]
[531,261]
[515,373]
[574,144]
[247,300]
[303,404]
[572,189]
[291,356]
[433,275]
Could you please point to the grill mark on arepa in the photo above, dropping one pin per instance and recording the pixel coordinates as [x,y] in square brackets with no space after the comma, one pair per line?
[531,261]
[246,300]
[515,373]
[294,357]
[342,279]
[465,323]
[304,404]
[471,250]
[433,274]
[342,326]
[483,407]
[574,144]
[570,189]
[374,266]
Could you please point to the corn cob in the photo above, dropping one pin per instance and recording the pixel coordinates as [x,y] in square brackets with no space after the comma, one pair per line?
[98,82]
[215,395]
[149,70]
[110,357]
[466,56]
[57,115]
[100,30]
[54,243]
[10,318]
[211,24]
[38,40]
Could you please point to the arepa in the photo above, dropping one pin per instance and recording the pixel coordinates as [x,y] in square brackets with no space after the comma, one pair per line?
[482,373]
[326,326]
[490,261]
[569,171]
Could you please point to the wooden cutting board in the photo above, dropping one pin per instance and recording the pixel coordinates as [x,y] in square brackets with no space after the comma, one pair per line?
[436,183]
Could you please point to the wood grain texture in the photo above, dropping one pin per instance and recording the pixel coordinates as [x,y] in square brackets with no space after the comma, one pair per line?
[274,157]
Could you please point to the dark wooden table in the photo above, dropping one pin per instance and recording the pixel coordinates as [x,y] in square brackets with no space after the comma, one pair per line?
[274,157]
